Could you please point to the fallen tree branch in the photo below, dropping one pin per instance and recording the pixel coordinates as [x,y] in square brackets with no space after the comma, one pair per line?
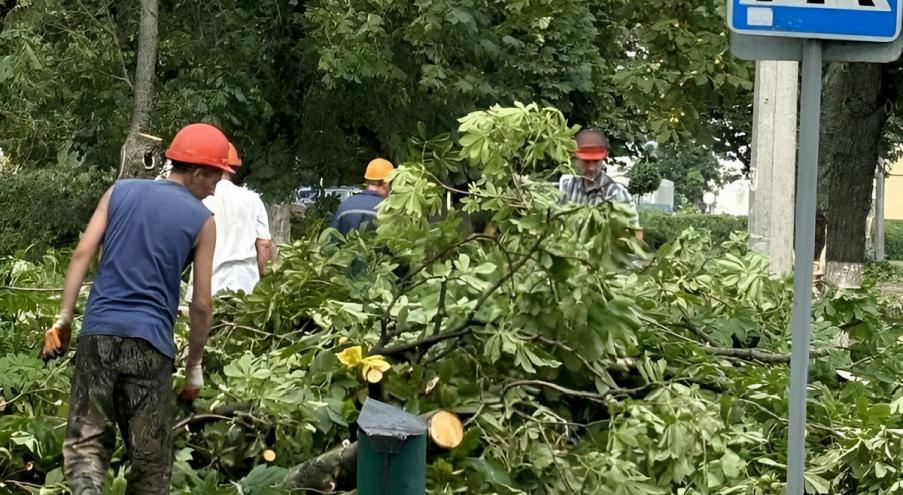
[688,324]
[200,418]
[757,355]
[427,342]
[602,399]
[39,289]
[561,422]
[225,412]
[29,289]
[741,353]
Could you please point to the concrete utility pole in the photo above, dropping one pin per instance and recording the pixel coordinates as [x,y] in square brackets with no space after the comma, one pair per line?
[878,238]
[774,162]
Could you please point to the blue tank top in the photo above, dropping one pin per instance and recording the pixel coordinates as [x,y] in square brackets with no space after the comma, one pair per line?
[152,227]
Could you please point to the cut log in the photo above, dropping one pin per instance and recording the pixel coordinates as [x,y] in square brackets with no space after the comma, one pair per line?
[446,429]
[374,375]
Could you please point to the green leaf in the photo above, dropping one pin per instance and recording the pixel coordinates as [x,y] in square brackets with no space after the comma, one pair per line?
[263,480]
[492,471]
[732,465]
[817,484]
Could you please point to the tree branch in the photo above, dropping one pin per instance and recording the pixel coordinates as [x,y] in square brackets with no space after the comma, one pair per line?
[384,334]
[440,311]
[427,342]
[747,354]
[38,289]
[200,418]
[757,355]
[602,399]
[688,324]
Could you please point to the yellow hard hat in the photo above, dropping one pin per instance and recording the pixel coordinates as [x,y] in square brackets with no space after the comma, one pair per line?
[379,169]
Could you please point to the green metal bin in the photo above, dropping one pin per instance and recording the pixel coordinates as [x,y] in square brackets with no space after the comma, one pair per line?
[391,457]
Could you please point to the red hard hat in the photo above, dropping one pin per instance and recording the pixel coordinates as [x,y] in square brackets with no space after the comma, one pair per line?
[200,144]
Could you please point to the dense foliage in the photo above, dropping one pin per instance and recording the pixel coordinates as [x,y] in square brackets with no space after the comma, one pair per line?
[46,208]
[579,363]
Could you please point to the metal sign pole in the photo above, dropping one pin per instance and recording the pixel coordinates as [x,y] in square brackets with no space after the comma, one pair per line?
[806,184]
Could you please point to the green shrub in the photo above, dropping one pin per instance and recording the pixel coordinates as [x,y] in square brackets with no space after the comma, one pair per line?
[47,208]
[893,239]
[660,227]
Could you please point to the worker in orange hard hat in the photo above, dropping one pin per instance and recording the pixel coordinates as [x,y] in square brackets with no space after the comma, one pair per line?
[359,211]
[243,240]
[592,186]
[149,231]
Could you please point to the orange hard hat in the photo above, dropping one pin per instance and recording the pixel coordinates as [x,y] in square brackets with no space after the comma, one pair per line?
[591,153]
[379,169]
[234,159]
[200,144]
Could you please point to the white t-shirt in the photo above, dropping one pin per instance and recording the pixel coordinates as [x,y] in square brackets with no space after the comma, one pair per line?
[241,219]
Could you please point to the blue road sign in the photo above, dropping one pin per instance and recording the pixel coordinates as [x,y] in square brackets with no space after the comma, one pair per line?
[855,20]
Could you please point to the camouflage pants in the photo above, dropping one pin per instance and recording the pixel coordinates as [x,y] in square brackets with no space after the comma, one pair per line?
[125,382]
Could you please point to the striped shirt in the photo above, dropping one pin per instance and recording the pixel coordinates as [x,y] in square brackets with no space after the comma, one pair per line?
[574,190]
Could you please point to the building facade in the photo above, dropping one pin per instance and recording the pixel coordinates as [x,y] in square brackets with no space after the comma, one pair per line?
[893,192]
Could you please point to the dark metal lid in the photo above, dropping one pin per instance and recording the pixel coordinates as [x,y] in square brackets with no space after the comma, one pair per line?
[388,425]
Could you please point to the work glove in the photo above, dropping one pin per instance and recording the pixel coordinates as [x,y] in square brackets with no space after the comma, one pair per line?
[194,382]
[56,340]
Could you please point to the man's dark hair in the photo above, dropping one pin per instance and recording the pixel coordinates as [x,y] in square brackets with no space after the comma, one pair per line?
[594,130]
[184,167]
[374,182]
[240,177]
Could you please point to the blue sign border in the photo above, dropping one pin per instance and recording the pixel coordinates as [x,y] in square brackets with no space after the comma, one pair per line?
[822,23]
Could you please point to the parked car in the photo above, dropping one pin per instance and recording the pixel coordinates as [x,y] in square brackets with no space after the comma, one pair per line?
[307,196]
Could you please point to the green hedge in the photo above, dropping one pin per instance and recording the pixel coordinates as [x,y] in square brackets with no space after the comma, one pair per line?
[893,239]
[660,227]
[47,208]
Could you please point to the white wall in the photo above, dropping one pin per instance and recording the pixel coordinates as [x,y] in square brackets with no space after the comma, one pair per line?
[733,198]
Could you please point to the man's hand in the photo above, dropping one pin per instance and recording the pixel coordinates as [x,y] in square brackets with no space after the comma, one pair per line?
[56,340]
[194,382]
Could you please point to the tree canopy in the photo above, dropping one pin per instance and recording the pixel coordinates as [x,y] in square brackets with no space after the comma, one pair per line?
[316,88]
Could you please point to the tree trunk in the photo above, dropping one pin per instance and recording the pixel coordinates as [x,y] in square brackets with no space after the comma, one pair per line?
[140,148]
[853,116]
[280,216]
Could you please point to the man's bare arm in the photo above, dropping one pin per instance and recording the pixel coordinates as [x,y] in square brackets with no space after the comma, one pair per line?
[264,254]
[200,310]
[56,340]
